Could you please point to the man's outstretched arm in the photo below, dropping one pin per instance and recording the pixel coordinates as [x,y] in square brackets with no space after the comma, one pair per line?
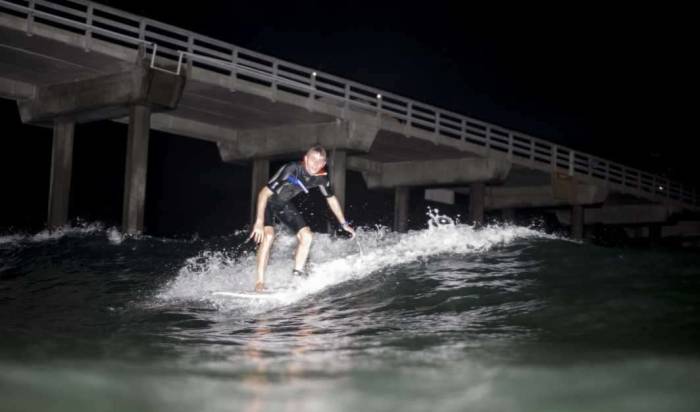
[338,212]
[263,196]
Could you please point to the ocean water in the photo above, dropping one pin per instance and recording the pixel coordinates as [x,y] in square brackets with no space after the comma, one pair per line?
[448,318]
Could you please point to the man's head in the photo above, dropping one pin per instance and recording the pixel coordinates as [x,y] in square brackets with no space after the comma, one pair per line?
[315,159]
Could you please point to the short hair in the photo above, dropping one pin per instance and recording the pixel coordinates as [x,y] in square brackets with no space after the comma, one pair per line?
[317,149]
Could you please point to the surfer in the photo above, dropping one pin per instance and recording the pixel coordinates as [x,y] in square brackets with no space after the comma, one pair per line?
[274,202]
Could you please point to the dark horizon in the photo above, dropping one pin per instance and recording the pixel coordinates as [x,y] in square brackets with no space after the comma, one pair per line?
[609,84]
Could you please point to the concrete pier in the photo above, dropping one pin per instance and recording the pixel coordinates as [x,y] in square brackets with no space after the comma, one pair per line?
[277,111]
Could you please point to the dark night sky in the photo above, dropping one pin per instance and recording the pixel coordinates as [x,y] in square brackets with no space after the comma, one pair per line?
[618,83]
[608,81]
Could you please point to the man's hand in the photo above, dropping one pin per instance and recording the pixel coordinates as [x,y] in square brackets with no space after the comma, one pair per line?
[257,233]
[346,227]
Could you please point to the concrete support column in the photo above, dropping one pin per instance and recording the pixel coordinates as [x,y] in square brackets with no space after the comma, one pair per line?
[61,169]
[654,234]
[401,201]
[577,222]
[476,203]
[136,167]
[337,163]
[260,176]
[508,215]
[638,232]
[337,166]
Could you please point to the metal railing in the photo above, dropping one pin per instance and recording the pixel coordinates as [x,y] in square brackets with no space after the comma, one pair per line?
[174,47]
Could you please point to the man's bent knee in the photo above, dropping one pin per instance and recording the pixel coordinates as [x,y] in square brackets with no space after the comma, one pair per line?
[304,235]
[269,234]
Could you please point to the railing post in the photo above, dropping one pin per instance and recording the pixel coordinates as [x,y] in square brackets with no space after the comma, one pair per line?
[409,118]
[554,153]
[312,95]
[143,45]
[30,18]
[312,83]
[142,30]
[639,181]
[275,69]
[346,103]
[436,129]
[190,50]
[87,40]
[488,137]
[510,146]
[233,79]
[572,158]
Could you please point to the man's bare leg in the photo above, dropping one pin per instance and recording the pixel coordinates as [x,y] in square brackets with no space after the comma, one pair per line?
[263,256]
[304,236]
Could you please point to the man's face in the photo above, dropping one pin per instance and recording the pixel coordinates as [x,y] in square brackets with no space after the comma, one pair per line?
[314,162]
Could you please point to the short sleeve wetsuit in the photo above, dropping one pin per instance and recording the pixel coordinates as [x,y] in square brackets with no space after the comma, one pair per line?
[290,180]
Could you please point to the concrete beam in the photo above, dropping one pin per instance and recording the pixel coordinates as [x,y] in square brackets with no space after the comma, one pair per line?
[562,191]
[104,97]
[445,196]
[16,90]
[570,191]
[622,214]
[173,124]
[430,172]
[686,229]
[61,168]
[690,229]
[539,196]
[296,139]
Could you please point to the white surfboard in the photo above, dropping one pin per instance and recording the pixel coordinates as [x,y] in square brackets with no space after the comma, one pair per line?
[247,295]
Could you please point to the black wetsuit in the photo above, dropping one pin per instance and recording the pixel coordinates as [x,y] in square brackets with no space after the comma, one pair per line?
[289,181]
